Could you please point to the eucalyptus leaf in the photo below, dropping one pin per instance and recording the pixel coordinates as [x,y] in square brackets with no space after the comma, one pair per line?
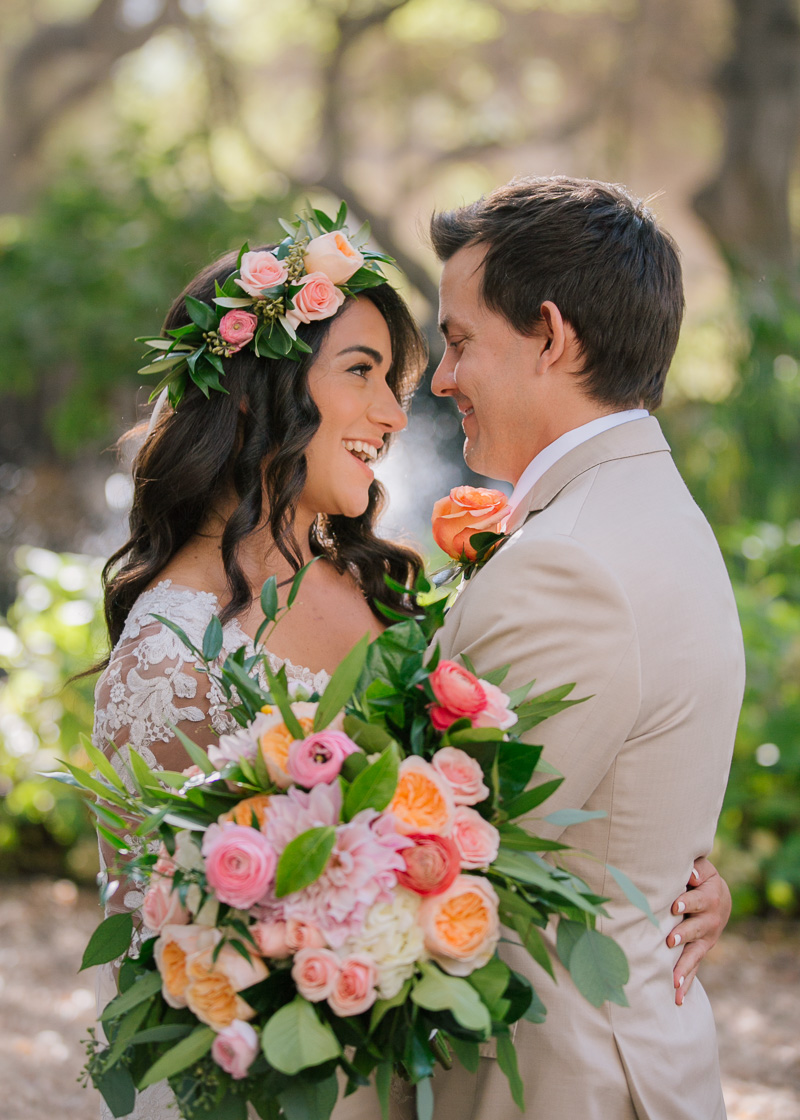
[294,1038]
[599,969]
[563,818]
[632,893]
[425,1099]
[212,639]
[269,598]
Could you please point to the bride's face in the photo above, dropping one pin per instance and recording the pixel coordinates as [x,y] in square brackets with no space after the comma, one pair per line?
[358,408]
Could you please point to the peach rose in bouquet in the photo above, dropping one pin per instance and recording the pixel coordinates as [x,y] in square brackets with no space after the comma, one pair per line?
[461,926]
[467,510]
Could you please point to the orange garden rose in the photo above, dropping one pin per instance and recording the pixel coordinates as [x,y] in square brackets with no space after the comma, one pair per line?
[274,745]
[467,510]
[172,950]
[213,987]
[461,926]
[423,800]
[243,811]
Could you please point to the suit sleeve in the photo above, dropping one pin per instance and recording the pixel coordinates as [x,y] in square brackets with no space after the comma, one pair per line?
[550,610]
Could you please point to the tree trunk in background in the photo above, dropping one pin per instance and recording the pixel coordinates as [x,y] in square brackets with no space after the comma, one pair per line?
[746,208]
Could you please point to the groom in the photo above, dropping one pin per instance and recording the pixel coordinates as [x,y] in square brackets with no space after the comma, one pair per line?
[561,302]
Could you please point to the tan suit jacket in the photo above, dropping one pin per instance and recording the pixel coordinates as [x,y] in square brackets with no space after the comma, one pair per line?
[615,581]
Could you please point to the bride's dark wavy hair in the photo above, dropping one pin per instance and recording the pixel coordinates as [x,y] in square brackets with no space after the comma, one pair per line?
[254,439]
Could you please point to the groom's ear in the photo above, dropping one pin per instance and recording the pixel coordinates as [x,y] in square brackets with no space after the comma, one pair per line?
[559,341]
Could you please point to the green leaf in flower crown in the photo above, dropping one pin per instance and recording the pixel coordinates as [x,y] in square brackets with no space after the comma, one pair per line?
[185,1053]
[361,236]
[302,347]
[109,941]
[303,860]
[244,249]
[309,1100]
[233,301]
[201,314]
[437,991]
[374,787]
[365,278]
[215,361]
[341,216]
[295,1039]
[341,685]
[596,964]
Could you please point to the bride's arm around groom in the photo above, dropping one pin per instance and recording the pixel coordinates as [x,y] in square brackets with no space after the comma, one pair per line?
[561,303]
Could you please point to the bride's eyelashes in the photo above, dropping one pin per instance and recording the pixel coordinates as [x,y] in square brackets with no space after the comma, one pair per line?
[362,369]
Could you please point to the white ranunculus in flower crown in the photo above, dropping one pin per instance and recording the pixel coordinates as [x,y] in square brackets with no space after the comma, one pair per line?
[270,293]
[333,882]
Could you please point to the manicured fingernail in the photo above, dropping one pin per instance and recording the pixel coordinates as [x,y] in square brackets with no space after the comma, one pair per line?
[681,907]
[695,874]
[676,940]
[680,981]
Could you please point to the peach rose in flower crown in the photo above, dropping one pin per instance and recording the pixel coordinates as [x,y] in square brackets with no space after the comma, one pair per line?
[318,298]
[461,926]
[423,800]
[333,254]
[467,510]
[260,270]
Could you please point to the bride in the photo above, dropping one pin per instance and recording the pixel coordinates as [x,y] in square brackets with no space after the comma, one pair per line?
[233,487]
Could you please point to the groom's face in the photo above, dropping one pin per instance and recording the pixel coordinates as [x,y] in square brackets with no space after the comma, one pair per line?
[486,369]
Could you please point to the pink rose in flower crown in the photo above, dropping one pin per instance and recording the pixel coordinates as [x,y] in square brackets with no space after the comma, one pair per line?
[461,926]
[463,773]
[354,988]
[477,841]
[319,757]
[315,971]
[333,254]
[497,712]
[237,327]
[162,906]
[318,298]
[467,510]
[459,695]
[235,1048]
[260,270]
[240,864]
[432,864]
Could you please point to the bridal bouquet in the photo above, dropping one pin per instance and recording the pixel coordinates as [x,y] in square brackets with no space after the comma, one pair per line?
[328,886]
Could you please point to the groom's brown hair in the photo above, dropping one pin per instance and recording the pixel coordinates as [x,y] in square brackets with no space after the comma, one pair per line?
[597,253]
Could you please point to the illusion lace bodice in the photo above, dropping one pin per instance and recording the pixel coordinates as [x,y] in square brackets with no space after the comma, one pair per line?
[152,680]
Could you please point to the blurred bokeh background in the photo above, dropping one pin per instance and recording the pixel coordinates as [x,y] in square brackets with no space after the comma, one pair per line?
[140,138]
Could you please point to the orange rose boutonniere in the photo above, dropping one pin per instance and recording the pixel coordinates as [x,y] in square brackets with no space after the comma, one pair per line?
[469,525]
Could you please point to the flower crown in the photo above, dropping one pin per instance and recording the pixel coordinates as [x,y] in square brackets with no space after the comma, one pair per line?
[263,301]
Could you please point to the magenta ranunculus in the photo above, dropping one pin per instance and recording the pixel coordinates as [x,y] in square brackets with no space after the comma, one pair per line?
[238,327]
[319,757]
[235,1048]
[240,864]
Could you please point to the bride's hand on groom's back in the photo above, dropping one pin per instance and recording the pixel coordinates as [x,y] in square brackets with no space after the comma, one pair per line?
[706,907]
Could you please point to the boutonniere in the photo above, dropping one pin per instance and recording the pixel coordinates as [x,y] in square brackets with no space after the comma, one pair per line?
[469,525]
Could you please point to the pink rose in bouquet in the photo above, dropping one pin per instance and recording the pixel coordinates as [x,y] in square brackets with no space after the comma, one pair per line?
[467,510]
[260,270]
[303,935]
[461,926]
[497,712]
[459,695]
[318,298]
[477,841]
[432,864]
[463,774]
[240,864]
[354,987]
[162,906]
[235,1048]
[315,972]
[333,254]
[270,937]
[319,757]
[238,327]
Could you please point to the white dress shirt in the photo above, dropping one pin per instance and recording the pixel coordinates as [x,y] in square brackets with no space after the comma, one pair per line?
[559,447]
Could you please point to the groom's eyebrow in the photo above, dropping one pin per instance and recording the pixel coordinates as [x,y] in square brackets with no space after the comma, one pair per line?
[368,350]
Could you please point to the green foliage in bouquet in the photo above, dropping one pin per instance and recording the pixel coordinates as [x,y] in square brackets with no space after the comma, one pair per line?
[440,1000]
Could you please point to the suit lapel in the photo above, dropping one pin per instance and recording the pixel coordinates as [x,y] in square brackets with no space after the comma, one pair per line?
[636,437]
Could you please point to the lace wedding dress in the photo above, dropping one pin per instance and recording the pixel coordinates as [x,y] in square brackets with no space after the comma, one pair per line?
[152,681]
